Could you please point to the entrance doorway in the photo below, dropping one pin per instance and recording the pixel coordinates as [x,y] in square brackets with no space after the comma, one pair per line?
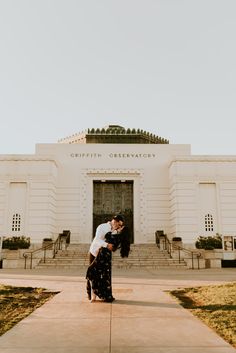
[110,198]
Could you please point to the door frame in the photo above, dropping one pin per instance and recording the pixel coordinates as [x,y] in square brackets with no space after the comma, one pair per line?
[85,217]
[105,219]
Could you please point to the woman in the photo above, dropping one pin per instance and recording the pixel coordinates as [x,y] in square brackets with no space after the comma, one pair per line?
[99,272]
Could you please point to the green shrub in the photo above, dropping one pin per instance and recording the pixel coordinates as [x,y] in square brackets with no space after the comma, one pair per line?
[15,243]
[209,243]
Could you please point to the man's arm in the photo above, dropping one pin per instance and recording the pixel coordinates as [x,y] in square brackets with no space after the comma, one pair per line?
[99,238]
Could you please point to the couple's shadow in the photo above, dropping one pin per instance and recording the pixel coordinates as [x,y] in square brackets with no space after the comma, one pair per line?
[143,303]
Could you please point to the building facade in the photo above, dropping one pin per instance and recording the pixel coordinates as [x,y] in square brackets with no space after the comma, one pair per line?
[80,182]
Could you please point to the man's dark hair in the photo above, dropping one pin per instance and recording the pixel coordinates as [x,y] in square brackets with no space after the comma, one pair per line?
[118,218]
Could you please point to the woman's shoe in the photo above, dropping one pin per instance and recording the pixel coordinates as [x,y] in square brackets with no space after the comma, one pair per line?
[93,298]
[109,300]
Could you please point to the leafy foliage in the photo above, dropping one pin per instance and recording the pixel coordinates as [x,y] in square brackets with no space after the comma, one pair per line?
[16,243]
[209,243]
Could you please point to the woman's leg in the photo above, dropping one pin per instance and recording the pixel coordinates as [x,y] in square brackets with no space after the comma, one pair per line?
[89,287]
[109,297]
[99,276]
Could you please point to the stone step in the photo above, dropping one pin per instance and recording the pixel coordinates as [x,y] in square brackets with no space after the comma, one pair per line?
[124,265]
[141,255]
[81,261]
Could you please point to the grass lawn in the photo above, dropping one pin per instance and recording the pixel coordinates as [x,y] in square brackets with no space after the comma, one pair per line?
[215,305]
[18,302]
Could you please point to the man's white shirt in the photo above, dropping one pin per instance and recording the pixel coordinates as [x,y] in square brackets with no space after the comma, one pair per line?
[99,239]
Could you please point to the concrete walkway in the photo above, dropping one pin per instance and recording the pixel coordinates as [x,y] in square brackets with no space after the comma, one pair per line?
[143,319]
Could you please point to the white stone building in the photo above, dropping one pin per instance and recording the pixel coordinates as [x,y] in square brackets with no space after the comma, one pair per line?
[76,183]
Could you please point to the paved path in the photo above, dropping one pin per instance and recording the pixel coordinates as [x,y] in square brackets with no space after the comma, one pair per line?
[143,319]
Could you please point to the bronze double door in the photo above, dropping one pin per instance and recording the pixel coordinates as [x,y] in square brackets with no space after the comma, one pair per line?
[111,198]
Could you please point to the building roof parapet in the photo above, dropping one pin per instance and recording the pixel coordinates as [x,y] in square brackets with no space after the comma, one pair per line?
[108,133]
[28,158]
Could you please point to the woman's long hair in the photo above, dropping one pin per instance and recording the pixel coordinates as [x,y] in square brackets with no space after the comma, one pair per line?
[125,242]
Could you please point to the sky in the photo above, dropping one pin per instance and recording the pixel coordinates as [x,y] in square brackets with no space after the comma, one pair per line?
[164,66]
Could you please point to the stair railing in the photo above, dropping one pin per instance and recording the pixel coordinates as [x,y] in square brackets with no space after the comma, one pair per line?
[193,255]
[167,245]
[54,246]
[164,243]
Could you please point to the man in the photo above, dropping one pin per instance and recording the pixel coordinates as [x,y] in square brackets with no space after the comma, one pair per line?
[99,242]
[101,231]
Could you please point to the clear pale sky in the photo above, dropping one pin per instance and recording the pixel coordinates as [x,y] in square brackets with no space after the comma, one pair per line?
[165,66]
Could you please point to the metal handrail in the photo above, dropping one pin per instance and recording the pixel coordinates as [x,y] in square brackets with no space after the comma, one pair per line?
[55,246]
[167,245]
[163,240]
[188,251]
